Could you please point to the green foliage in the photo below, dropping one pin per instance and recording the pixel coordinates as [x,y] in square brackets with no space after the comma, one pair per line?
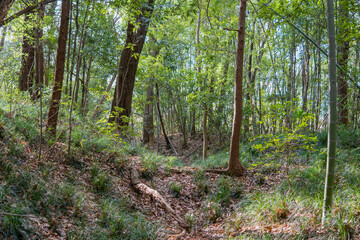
[175,189]
[123,224]
[150,163]
[226,188]
[100,180]
[286,144]
[202,183]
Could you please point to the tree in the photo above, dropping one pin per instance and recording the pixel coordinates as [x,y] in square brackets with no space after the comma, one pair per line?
[331,152]
[59,68]
[129,60]
[343,49]
[148,123]
[4,8]
[235,167]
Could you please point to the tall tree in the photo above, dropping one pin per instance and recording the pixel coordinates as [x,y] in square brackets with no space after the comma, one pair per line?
[331,151]
[59,68]
[343,48]
[235,168]
[135,38]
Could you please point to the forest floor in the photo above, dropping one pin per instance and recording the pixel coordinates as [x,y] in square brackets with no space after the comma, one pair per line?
[90,195]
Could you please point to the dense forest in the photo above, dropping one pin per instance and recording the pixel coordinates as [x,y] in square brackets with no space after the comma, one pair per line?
[174,119]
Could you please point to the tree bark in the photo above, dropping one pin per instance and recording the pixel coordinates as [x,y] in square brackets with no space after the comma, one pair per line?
[121,105]
[331,153]
[77,27]
[5,5]
[27,62]
[59,68]
[85,87]
[39,54]
[148,124]
[305,76]
[235,168]
[167,140]
[343,48]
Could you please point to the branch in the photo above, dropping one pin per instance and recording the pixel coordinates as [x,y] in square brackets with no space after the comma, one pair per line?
[26,10]
[233,30]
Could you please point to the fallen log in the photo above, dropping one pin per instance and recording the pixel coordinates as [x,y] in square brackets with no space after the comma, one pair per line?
[143,188]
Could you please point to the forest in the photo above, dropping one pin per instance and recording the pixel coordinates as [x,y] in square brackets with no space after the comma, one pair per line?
[179,119]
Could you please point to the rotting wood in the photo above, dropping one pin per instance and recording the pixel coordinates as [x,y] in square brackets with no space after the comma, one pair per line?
[143,188]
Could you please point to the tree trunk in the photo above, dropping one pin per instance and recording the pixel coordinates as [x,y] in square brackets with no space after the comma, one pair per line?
[148,124]
[305,76]
[291,83]
[85,87]
[39,54]
[77,27]
[27,62]
[167,140]
[204,122]
[3,36]
[331,153]
[59,68]
[235,167]
[5,5]
[249,85]
[67,84]
[342,58]
[121,105]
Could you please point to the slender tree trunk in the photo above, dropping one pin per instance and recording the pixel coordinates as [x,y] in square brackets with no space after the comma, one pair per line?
[193,122]
[290,84]
[39,54]
[205,112]
[305,76]
[3,36]
[167,140]
[343,49]
[331,153]
[85,87]
[77,27]
[59,68]
[67,84]
[235,167]
[121,105]
[148,123]
[27,62]
[248,90]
